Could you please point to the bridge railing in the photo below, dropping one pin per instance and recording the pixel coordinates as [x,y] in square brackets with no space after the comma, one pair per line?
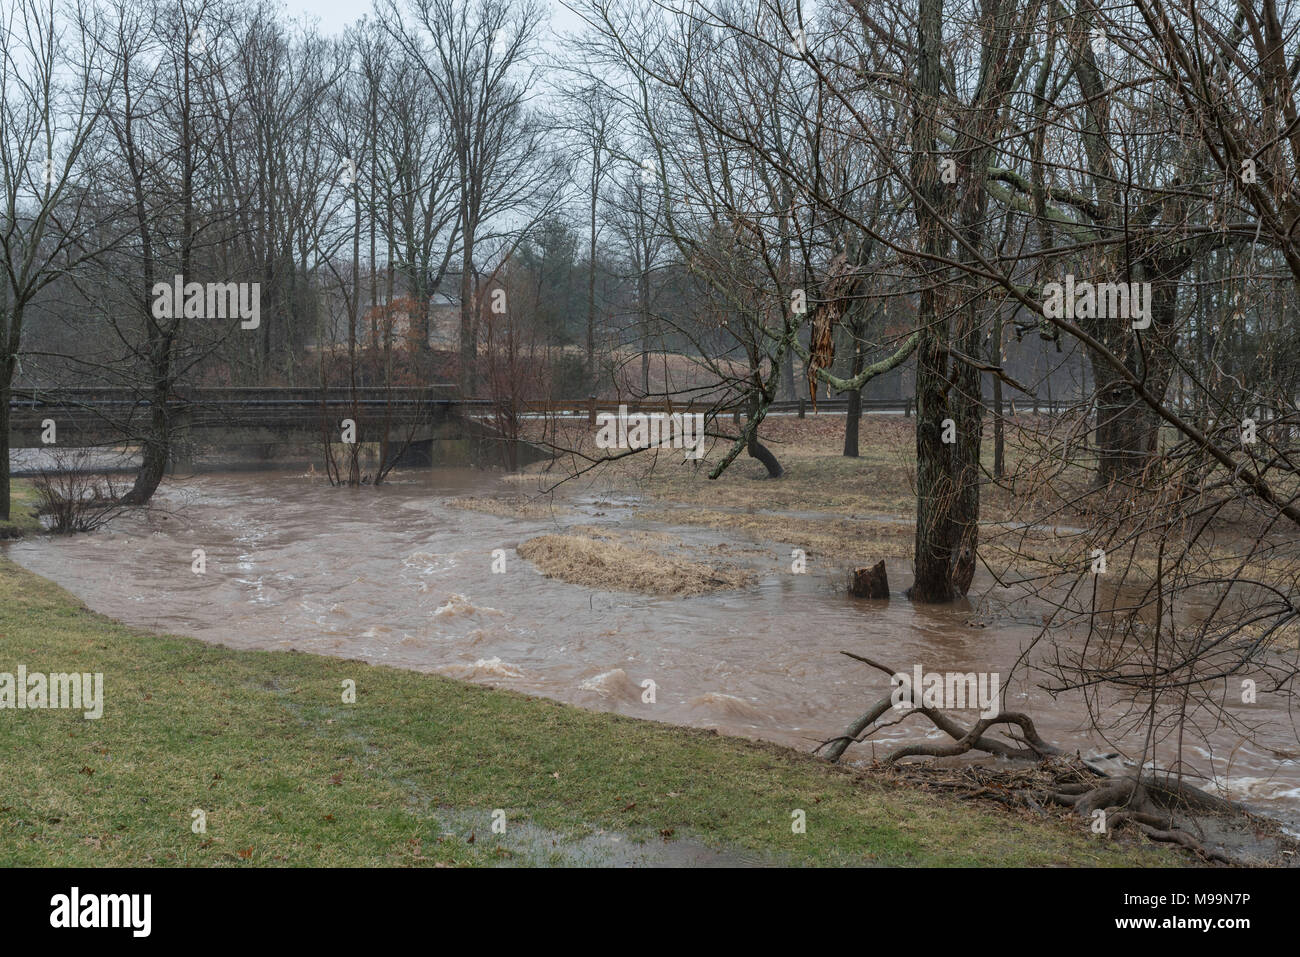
[227,395]
[299,402]
[591,406]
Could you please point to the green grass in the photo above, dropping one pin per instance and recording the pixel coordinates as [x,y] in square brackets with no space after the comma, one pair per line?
[289,775]
[22,515]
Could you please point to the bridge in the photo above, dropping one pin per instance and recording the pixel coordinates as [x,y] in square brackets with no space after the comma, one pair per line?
[416,425]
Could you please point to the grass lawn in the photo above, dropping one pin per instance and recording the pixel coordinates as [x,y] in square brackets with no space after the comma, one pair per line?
[288,774]
[22,519]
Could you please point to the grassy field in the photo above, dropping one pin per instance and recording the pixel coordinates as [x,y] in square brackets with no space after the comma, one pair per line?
[22,520]
[410,774]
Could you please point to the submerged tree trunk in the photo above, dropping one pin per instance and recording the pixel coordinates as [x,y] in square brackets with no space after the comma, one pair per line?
[968,414]
[934,491]
[157,440]
[949,398]
[157,450]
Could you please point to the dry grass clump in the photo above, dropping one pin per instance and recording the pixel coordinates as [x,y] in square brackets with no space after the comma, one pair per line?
[602,564]
[515,507]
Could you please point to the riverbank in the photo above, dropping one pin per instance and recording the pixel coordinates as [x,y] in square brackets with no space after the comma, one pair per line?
[285,773]
[22,511]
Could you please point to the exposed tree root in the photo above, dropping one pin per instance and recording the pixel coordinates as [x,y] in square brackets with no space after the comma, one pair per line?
[1155,803]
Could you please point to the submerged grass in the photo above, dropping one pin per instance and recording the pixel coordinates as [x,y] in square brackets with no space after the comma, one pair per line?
[288,774]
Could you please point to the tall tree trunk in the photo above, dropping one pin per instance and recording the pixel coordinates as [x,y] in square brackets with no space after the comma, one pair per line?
[157,445]
[592,383]
[1127,430]
[643,296]
[968,414]
[934,489]
[995,358]
[157,442]
[468,302]
[854,418]
[354,310]
[6,391]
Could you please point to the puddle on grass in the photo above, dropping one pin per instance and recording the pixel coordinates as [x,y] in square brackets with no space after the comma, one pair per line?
[527,844]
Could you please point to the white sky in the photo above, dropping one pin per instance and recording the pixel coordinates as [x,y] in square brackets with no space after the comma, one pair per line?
[336,15]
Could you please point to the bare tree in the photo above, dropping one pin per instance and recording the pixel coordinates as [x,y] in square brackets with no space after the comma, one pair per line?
[594,117]
[51,78]
[476,59]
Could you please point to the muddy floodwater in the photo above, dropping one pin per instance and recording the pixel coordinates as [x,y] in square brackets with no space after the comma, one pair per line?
[393,575]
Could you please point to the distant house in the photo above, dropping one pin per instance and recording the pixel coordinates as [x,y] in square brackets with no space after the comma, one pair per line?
[392,323]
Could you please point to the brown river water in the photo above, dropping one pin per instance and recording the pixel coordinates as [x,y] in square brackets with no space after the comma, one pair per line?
[392,575]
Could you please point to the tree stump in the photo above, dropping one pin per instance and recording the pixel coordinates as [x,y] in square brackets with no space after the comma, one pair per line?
[870,582]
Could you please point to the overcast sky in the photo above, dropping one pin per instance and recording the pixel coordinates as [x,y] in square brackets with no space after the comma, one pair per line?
[335,15]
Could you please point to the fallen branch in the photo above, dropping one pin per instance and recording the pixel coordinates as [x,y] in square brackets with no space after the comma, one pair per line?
[1147,802]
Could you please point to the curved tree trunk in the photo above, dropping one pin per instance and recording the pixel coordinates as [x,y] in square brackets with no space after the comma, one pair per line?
[157,442]
[154,466]
[757,450]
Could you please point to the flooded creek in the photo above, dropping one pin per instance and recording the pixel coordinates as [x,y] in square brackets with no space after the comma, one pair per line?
[394,575]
